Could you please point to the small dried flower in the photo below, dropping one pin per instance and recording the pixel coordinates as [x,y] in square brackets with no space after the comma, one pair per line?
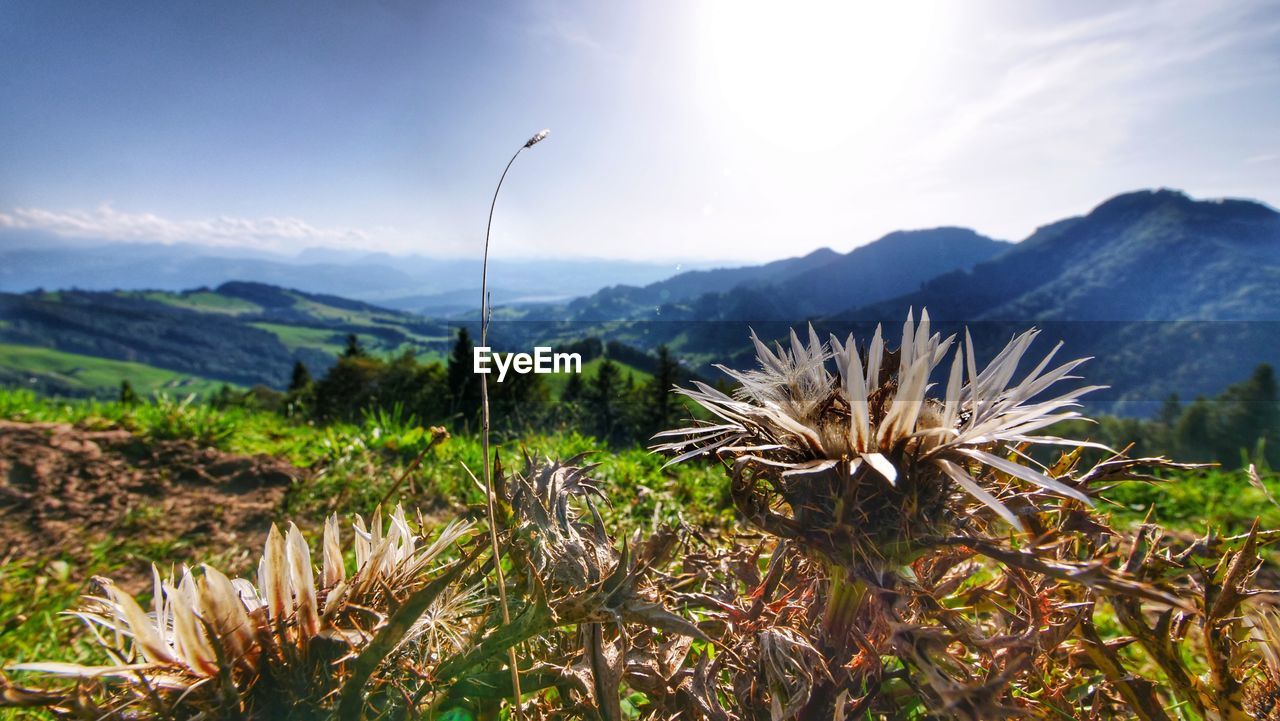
[541,136]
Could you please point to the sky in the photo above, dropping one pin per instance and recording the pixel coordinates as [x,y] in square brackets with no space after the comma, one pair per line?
[680,129]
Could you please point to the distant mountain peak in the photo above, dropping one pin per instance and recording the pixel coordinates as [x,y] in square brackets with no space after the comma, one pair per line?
[939,237]
[925,232]
[1141,201]
[823,253]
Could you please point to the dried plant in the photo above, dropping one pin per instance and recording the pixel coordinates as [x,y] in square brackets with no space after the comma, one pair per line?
[866,448]
[923,562]
[219,647]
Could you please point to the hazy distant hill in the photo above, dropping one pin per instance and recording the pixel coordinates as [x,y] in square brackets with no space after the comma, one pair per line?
[1149,255]
[708,318]
[815,284]
[415,283]
[694,283]
[1170,294]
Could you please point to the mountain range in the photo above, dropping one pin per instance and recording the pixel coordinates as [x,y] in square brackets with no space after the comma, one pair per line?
[1169,293]
[815,284]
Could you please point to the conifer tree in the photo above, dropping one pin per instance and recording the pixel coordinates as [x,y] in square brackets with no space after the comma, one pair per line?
[573,389]
[659,406]
[463,385]
[605,403]
[353,349]
[128,396]
[300,380]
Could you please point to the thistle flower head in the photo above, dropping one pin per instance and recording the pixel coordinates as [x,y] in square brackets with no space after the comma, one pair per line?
[204,629]
[573,562]
[877,448]
[540,136]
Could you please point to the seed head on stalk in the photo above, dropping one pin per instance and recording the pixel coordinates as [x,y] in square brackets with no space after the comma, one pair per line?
[490,510]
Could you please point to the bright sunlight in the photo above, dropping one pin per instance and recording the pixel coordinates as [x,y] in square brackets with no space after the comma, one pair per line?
[812,75]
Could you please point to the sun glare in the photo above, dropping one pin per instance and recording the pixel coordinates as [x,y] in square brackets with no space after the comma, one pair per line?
[813,74]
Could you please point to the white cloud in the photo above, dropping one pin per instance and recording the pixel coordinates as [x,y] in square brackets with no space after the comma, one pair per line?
[107,223]
[555,22]
[1079,89]
[1262,158]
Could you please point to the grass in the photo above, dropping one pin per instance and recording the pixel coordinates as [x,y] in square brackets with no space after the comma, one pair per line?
[1194,501]
[80,374]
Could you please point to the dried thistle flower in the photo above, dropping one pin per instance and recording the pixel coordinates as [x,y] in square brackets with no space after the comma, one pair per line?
[864,455]
[211,642]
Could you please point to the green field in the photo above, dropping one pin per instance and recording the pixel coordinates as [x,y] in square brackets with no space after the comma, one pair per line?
[87,375]
[296,336]
[205,301]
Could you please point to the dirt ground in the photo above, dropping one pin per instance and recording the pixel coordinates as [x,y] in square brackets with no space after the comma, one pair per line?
[65,491]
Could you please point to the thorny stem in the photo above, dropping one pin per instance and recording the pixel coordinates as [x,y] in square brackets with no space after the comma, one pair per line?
[484,441]
[845,598]
[844,601]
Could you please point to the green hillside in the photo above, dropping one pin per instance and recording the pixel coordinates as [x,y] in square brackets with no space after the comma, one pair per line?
[57,373]
[83,343]
[200,300]
[240,333]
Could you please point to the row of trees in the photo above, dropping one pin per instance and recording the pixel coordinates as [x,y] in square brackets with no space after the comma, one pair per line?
[1240,425]
[608,404]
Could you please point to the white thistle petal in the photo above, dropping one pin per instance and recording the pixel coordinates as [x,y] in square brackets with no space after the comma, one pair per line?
[302,581]
[951,407]
[334,569]
[907,348]
[965,481]
[273,576]
[1029,475]
[133,619]
[225,612]
[882,466]
[875,355]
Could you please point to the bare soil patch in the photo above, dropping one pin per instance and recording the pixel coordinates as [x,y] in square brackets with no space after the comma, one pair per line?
[65,491]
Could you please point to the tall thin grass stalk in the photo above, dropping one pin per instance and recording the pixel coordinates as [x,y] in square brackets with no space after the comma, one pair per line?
[484,423]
